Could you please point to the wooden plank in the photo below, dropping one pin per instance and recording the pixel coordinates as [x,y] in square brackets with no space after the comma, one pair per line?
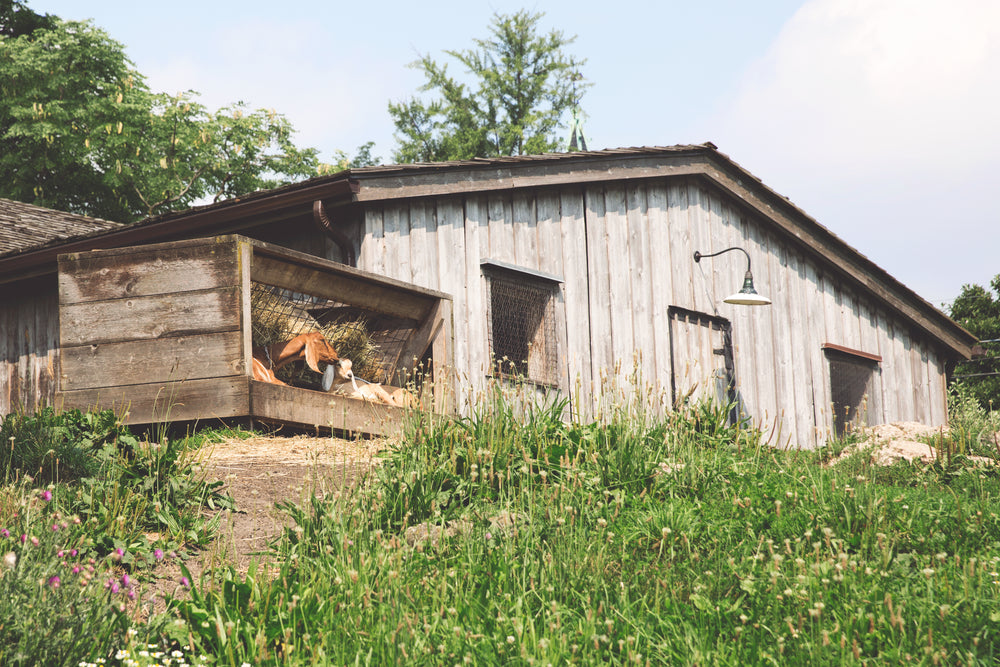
[422,247]
[419,341]
[442,358]
[904,379]
[550,260]
[768,405]
[602,352]
[156,360]
[801,364]
[681,251]
[573,231]
[372,255]
[819,380]
[661,279]
[150,317]
[451,248]
[920,383]
[703,273]
[201,400]
[476,249]
[525,230]
[393,245]
[304,408]
[619,280]
[351,290]
[102,275]
[246,312]
[501,229]
[640,270]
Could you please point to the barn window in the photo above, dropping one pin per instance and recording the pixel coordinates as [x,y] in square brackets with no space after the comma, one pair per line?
[521,319]
[853,391]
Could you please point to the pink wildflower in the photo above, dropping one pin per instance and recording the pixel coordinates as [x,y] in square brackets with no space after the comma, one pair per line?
[4,532]
[34,541]
[158,554]
[185,582]
[118,554]
[46,495]
[54,581]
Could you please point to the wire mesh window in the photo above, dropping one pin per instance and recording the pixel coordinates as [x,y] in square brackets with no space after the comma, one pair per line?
[371,340]
[853,391]
[522,334]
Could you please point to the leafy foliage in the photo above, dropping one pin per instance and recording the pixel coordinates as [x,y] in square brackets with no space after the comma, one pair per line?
[523,83]
[16,19]
[81,132]
[978,310]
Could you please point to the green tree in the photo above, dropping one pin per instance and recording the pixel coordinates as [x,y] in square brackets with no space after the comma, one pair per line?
[523,83]
[978,310]
[16,19]
[80,131]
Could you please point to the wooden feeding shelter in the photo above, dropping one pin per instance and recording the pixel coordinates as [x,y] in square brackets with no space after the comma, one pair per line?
[166,332]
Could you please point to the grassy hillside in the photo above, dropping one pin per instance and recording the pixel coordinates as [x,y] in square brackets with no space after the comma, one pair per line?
[517,539]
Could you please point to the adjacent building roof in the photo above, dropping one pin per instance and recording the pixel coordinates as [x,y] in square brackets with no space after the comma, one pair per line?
[26,226]
[374,184]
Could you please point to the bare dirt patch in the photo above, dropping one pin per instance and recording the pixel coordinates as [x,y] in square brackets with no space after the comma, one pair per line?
[258,473]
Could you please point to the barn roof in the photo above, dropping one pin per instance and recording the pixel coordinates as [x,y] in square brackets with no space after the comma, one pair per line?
[26,226]
[373,184]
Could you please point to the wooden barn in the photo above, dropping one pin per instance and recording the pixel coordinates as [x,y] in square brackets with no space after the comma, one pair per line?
[577,272]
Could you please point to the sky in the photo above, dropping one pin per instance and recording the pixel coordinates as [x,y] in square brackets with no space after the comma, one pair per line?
[879,118]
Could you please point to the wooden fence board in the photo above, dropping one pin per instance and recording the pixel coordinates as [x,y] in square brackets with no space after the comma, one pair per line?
[158,360]
[150,317]
[202,400]
[104,275]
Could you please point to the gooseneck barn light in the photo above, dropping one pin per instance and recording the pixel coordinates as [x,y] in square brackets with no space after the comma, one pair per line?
[748,295]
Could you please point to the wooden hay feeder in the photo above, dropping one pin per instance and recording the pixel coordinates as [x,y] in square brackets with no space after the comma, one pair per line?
[166,332]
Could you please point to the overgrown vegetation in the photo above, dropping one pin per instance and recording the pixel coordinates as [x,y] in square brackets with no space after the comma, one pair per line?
[512,537]
[508,538]
[87,509]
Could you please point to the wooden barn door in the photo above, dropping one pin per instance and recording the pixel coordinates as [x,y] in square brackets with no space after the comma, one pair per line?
[701,358]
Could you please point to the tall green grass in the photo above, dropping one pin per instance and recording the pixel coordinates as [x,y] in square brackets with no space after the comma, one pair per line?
[87,510]
[514,538]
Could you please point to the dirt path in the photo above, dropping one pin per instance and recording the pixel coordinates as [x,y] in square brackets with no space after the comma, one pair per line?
[257,473]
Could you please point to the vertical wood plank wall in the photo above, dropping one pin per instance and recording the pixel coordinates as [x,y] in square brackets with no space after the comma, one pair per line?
[625,254]
[29,343]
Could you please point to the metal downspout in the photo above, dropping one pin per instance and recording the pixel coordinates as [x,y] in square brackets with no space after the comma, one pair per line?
[322,221]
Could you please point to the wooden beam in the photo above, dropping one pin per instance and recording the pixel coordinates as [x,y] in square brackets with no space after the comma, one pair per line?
[214,398]
[304,408]
[833,347]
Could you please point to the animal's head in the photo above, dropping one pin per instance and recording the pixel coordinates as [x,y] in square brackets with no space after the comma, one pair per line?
[342,370]
[318,349]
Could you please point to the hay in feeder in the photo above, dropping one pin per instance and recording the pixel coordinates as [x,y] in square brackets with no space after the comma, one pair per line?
[275,317]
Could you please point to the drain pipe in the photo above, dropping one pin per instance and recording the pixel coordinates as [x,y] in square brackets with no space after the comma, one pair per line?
[322,221]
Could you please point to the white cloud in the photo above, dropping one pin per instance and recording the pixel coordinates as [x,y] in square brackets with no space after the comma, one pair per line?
[879,118]
[893,81]
[294,68]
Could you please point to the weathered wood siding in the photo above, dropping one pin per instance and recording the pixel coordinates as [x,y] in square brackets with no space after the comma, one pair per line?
[625,254]
[29,343]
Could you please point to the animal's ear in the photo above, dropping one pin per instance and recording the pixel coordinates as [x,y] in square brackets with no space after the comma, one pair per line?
[312,353]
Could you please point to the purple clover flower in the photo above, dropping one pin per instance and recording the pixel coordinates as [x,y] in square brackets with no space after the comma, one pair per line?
[158,554]
[54,581]
[46,495]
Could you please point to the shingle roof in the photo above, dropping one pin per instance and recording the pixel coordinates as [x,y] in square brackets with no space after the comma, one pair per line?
[25,226]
